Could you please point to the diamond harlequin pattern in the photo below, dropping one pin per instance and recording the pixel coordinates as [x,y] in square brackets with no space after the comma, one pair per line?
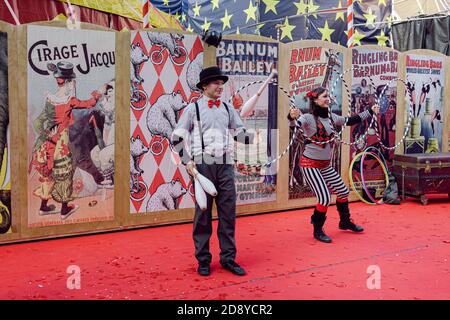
[161,74]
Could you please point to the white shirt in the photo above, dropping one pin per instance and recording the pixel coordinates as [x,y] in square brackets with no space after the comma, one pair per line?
[216,123]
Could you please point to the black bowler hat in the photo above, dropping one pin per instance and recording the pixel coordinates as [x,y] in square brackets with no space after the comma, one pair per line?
[62,69]
[210,74]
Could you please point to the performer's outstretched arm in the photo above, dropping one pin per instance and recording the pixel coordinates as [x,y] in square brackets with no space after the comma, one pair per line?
[240,133]
[339,120]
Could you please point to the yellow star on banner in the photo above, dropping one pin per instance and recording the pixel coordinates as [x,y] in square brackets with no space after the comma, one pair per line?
[382,2]
[287,30]
[226,20]
[177,15]
[326,32]
[340,14]
[382,38]
[206,25]
[166,2]
[390,19]
[183,17]
[271,5]
[312,8]
[189,28]
[357,37]
[215,4]
[370,18]
[301,7]
[196,9]
[250,12]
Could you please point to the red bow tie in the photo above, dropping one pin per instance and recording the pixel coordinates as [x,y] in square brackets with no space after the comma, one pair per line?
[212,103]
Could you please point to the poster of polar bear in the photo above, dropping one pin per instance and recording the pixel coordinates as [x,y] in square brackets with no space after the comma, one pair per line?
[71,116]
[164,68]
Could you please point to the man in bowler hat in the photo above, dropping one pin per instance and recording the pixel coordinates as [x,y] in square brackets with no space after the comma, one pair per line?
[205,127]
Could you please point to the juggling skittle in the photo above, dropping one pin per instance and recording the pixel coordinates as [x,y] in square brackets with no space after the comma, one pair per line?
[250,105]
[200,195]
[205,183]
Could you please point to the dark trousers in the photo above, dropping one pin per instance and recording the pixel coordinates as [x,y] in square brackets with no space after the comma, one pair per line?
[222,176]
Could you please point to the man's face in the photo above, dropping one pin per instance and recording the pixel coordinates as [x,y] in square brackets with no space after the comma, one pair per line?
[213,89]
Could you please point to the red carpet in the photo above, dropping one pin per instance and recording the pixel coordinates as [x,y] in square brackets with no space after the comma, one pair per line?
[410,244]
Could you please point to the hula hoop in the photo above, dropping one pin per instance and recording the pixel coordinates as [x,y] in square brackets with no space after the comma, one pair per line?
[410,115]
[299,128]
[362,175]
[350,176]
[291,103]
[380,154]
[363,136]
[359,155]
[337,134]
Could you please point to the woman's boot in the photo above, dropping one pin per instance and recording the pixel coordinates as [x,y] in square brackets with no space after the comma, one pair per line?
[346,223]
[318,220]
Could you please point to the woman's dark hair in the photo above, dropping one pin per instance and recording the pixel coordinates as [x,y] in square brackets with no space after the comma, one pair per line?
[314,94]
[314,108]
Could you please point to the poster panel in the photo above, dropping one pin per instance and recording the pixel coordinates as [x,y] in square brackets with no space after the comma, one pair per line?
[164,69]
[248,62]
[5,168]
[425,77]
[372,73]
[312,66]
[71,125]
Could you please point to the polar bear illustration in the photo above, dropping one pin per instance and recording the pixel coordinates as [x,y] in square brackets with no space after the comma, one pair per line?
[137,57]
[166,40]
[137,148]
[166,196]
[193,72]
[162,115]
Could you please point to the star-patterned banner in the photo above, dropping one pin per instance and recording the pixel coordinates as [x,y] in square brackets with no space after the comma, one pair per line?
[287,29]
[225,16]
[368,20]
[331,26]
[283,20]
[326,21]
[174,7]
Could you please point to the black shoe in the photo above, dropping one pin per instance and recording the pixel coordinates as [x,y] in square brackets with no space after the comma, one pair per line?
[321,236]
[234,268]
[204,269]
[349,225]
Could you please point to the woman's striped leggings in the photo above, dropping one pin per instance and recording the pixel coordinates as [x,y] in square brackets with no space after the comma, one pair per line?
[321,181]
